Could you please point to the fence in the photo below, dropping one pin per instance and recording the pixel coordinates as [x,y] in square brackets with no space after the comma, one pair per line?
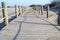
[18,11]
[50,14]
[5,13]
[41,10]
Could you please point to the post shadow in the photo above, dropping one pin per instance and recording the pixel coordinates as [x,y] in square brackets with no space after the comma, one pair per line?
[11,19]
[59,18]
[18,31]
[2,25]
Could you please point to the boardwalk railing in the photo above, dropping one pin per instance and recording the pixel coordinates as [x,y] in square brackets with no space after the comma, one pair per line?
[48,13]
[41,10]
[19,10]
[5,14]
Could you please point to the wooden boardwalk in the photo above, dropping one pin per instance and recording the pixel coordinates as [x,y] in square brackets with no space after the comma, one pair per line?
[30,26]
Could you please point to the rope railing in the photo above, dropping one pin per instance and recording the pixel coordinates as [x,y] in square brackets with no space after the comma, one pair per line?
[18,10]
[4,12]
[41,10]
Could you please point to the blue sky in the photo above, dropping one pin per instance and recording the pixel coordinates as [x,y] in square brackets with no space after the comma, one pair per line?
[24,2]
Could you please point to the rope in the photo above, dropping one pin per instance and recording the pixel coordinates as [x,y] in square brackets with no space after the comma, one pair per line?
[11,15]
[2,19]
[8,16]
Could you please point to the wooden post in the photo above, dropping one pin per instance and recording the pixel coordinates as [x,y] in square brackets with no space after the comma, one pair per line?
[22,9]
[16,10]
[19,10]
[47,11]
[42,10]
[4,11]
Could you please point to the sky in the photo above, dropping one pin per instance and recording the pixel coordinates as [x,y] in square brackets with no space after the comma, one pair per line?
[25,2]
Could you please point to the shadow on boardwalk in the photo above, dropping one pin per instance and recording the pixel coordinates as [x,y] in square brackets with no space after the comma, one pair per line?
[15,37]
[59,18]
[19,28]
[17,32]
[2,24]
[51,23]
